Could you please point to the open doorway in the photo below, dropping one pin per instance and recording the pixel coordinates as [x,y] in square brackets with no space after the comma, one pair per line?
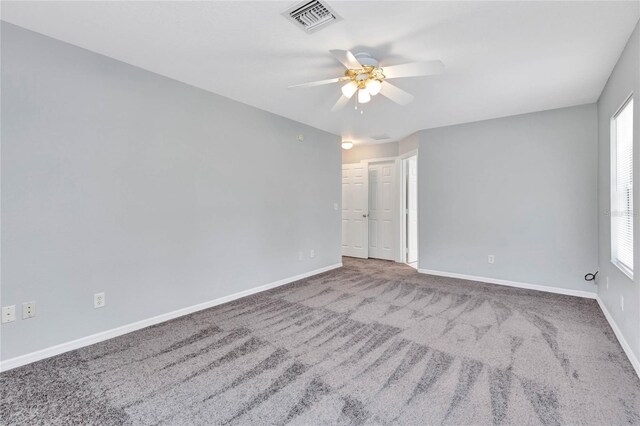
[409,202]
[380,208]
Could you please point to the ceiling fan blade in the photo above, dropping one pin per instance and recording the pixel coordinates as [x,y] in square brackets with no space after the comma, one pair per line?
[317,83]
[342,102]
[395,93]
[346,58]
[414,69]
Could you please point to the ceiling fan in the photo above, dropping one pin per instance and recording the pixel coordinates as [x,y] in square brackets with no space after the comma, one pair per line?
[365,76]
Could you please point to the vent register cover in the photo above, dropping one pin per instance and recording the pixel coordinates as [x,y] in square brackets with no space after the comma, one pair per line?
[311,15]
[382,137]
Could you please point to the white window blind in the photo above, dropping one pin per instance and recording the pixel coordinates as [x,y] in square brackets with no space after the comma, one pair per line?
[622,188]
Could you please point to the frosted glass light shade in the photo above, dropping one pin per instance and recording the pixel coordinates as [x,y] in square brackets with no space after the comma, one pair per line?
[363,96]
[347,145]
[374,86]
[349,89]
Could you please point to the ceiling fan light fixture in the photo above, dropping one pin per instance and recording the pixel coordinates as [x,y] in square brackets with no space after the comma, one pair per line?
[349,89]
[347,145]
[363,96]
[364,75]
[374,86]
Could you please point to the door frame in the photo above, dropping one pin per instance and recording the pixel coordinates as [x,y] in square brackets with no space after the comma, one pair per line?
[397,256]
[403,197]
[400,228]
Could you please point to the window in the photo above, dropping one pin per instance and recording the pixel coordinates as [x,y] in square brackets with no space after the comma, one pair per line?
[622,188]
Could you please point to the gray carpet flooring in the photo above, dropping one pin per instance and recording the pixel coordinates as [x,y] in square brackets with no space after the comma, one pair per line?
[373,342]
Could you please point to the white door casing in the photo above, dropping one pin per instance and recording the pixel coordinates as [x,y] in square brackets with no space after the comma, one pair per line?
[355,193]
[382,211]
[412,210]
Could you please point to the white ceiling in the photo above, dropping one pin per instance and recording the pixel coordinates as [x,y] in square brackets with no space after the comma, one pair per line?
[501,58]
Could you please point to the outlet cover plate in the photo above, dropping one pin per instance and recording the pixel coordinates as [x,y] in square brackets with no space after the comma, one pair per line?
[28,310]
[99,300]
[8,313]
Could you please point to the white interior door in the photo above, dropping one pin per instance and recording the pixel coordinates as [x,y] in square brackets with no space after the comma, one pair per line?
[412,210]
[354,210]
[382,211]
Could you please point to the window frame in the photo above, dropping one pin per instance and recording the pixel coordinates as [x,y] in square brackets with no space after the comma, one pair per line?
[614,177]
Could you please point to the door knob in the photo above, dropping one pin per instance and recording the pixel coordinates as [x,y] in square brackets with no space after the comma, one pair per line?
[365,215]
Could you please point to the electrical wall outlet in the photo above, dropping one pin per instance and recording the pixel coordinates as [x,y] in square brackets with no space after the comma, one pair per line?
[28,310]
[335,206]
[622,302]
[312,253]
[491,259]
[8,313]
[607,281]
[300,255]
[98,300]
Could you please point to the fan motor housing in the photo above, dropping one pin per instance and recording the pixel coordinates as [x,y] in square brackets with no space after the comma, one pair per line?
[365,59]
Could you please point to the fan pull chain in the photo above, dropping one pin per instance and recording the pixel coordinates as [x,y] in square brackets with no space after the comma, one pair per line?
[356,106]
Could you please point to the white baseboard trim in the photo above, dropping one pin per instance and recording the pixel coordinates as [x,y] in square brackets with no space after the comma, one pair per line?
[128,328]
[625,346]
[548,289]
[623,342]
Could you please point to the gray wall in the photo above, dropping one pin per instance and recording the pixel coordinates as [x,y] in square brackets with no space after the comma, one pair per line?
[522,188]
[624,80]
[408,144]
[367,152]
[162,195]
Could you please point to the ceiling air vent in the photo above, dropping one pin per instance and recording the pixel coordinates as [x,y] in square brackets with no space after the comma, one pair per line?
[381,137]
[311,15]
